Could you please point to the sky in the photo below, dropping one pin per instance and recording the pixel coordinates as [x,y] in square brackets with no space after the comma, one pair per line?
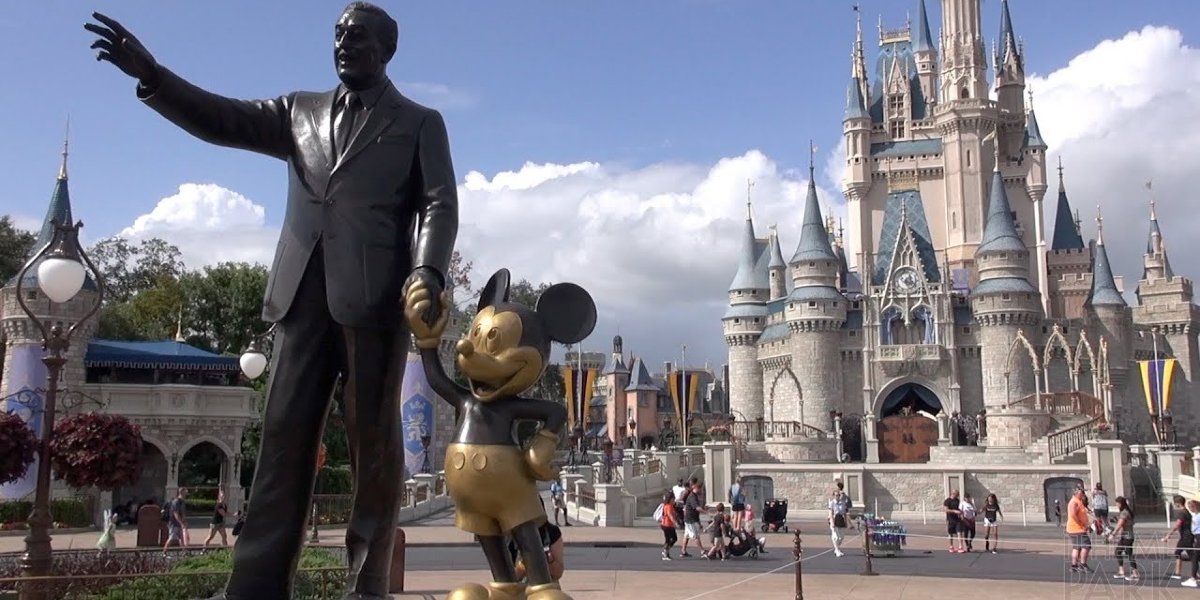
[622,132]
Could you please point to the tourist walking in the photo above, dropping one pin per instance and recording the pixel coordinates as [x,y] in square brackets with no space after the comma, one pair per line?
[737,502]
[692,507]
[1182,522]
[1193,508]
[1124,534]
[1100,509]
[1078,524]
[839,508]
[558,499]
[991,523]
[218,521]
[966,525]
[668,520]
[718,528]
[953,520]
[176,511]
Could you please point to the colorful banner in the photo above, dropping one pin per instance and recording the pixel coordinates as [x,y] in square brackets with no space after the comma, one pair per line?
[26,379]
[578,403]
[683,387]
[416,417]
[1156,383]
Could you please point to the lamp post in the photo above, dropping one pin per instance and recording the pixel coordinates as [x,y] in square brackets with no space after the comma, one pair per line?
[61,275]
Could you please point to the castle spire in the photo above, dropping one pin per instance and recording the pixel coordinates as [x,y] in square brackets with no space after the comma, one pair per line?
[1009,50]
[923,41]
[60,199]
[1033,133]
[1066,231]
[748,276]
[814,239]
[1104,286]
[62,169]
[776,252]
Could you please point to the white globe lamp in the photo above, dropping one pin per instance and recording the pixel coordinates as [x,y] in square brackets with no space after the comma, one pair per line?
[60,278]
[253,362]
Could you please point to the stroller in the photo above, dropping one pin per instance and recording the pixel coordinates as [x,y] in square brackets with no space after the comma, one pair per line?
[774,515]
[745,542]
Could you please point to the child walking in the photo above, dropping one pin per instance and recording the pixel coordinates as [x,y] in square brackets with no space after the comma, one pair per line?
[667,520]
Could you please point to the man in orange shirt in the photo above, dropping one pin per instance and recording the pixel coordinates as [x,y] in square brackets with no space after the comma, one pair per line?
[1077,529]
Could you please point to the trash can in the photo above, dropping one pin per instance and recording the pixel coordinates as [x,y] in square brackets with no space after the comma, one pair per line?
[396,576]
[150,526]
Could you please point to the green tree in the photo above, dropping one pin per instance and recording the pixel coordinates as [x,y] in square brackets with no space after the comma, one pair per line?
[224,305]
[15,248]
[129,270]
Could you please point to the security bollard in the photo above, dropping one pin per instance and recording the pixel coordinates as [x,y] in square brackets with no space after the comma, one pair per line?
[396,576]
[796,552]
[868,569]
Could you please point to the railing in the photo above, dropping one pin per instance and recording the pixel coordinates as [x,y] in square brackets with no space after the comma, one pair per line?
[759,431]
[1187,466]
[1071,439]
[333,508]
[653,466]
[1063,403]
[310,584]
[582,497]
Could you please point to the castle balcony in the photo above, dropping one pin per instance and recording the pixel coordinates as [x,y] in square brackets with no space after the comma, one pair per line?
[923,359]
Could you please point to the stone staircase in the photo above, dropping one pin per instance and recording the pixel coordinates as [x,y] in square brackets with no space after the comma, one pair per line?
[1038,448]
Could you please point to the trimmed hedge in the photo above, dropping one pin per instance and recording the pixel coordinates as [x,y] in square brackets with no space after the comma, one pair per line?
[216,565]
[65,512]
[335,480]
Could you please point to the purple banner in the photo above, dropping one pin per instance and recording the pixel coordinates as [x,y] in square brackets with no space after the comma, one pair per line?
[26,378]
[416,417]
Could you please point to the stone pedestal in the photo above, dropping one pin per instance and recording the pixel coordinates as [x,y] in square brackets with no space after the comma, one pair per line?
[943,424]
[610,506]
[803,449]
[670,465]
[871,436]
[1196,461]
[1107,466]
[718,470]
[1170,467]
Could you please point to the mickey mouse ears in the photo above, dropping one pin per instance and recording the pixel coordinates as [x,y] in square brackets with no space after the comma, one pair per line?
[568,312]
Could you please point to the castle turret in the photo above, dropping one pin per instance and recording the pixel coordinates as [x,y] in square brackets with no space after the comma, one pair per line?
[1165,307]
[856,132]
[639,404]
[1069,262]
[1004,302]
[776,268]
[1108,313]
[815,312]
[1033,153]
[964,68]
[744,321]
[23,368]
[925,55]
[1010,66]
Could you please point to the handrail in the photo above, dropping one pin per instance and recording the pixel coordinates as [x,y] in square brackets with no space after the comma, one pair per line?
[1062,443]
[1063,403]
[760,431]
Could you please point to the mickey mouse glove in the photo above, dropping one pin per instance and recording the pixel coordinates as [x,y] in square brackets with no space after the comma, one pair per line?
[540,456]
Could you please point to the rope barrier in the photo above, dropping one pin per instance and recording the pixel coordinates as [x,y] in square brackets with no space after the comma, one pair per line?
[753,577]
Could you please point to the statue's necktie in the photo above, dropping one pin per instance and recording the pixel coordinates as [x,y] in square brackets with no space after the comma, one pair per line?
[345,122]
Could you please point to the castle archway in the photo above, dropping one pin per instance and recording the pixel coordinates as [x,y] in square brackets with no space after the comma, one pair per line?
[907,427]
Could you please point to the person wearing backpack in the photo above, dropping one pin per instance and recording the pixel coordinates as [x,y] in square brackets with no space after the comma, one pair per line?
[667,518]
[1100,509]
[737,503]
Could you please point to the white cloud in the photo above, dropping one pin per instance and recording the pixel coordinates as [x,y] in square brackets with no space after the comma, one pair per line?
[437,95]
[1121,114]
[209,224]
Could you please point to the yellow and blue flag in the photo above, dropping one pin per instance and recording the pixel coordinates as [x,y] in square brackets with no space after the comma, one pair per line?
[1156,383]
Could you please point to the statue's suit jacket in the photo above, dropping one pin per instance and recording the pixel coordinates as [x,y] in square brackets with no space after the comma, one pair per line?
[396,173]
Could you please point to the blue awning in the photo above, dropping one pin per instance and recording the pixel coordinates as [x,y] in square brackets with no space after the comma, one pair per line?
[156,355]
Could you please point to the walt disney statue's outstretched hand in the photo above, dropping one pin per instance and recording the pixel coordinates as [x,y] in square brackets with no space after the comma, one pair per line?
[121,48]
[417,304]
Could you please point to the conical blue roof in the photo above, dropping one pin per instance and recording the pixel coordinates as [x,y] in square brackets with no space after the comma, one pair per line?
[1008,39]
[814,239]
[776,254]
[856,107]
[1033,134]
[1066,234]
[1104,285]
[749,276]
[923,41]
[1000,233]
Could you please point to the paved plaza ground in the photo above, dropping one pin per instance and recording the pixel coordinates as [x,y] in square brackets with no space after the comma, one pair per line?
[617,563]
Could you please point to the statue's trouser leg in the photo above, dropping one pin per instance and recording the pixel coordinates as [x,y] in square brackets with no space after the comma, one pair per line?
[306,360]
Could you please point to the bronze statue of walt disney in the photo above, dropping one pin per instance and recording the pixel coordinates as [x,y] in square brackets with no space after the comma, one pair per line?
[492,479]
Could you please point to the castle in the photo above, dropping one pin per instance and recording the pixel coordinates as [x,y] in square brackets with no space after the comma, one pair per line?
[947,314]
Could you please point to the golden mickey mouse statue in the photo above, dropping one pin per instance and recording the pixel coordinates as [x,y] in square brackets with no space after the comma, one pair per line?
[492,480]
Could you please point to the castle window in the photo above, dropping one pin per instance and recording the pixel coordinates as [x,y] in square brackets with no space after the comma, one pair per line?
[736,321]
[953,220]
[835,304]
[966,330]
[1005,297]
[968,158]
[812,304]
[853,333]
[31,295]
[897,129]
[756,319]
[854,304]
[812,263]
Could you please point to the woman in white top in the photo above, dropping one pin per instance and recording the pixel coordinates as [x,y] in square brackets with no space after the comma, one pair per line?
[966,525]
